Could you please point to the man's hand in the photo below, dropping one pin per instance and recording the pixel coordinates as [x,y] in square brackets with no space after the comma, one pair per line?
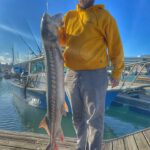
[61,35]
[114,82]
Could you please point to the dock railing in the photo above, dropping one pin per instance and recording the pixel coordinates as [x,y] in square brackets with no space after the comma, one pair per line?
[142,64]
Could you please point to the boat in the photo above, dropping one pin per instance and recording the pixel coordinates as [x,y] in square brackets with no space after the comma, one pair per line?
[137,98]
[1,74]
[7,75]
[137,94]
[144,79]
[31,83]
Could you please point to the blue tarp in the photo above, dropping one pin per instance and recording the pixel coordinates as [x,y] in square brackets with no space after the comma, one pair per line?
[18,69]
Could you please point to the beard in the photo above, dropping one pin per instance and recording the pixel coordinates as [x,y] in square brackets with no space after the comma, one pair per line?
[86,3]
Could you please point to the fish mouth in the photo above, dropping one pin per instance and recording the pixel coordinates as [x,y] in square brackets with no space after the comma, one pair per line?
[46,16]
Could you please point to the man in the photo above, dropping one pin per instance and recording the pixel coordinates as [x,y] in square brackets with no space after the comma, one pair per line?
[86,35]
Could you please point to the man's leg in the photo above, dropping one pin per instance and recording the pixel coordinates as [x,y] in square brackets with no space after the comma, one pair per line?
[73,92]
[93,88]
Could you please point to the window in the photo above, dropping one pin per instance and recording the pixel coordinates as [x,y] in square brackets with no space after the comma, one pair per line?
[37,67]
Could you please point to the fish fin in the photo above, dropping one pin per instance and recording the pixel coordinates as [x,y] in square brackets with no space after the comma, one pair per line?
[63,111]
[60,134]
[62,137]
[65,107]
[44,124]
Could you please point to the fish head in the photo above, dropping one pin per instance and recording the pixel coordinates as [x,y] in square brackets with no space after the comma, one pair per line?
[58,18]
[49,28]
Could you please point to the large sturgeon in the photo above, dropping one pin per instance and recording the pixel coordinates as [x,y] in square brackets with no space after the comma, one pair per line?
[55,80]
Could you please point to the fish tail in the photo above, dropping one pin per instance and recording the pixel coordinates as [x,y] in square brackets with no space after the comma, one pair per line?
[52,147]
[44,124]
[49,147]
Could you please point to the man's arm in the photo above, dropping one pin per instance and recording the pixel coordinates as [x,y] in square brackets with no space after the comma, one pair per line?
[62,32]
[115,50]
[61,36]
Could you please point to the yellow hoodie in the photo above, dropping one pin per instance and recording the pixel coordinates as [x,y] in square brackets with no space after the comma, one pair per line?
[91,36]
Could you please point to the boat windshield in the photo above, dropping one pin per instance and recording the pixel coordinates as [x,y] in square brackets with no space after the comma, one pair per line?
[37,67]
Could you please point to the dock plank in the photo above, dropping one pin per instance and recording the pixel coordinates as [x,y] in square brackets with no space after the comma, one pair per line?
[141,141]
[107,146]
[147,136]
[28,146]
[11,148]
[118,145]
[25,141]
[130,143]
[18,144]
[31,137]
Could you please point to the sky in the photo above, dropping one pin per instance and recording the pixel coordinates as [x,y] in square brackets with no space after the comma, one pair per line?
[20,24]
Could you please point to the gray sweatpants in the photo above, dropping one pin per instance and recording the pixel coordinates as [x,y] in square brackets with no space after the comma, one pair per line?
[86,90]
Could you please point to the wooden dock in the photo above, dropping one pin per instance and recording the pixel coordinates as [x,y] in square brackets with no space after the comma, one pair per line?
[31,141]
